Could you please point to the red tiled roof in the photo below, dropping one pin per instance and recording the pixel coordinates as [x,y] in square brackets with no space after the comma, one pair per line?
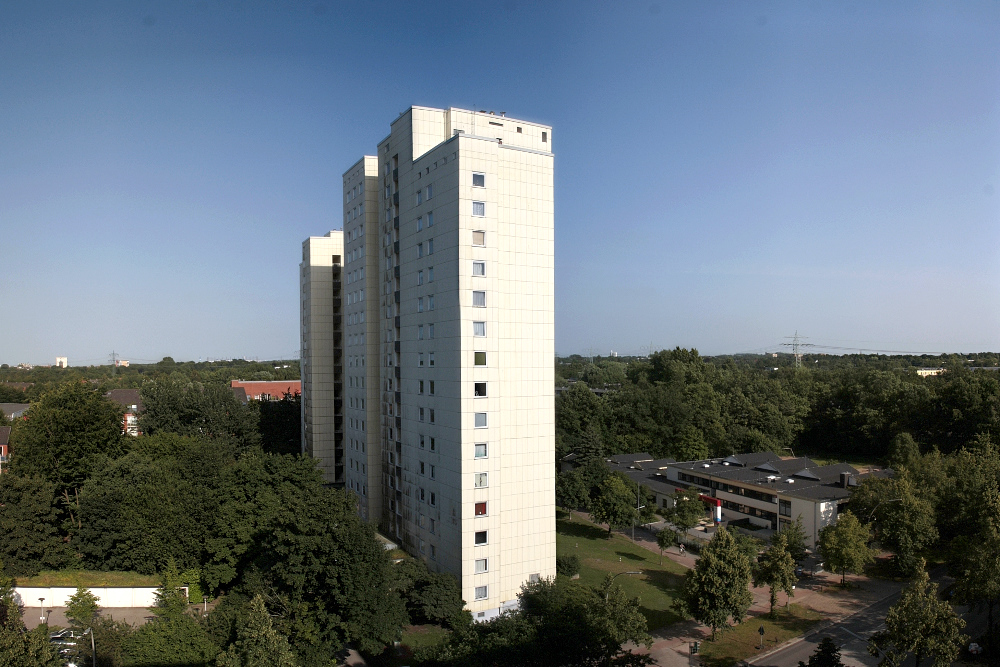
[274,389]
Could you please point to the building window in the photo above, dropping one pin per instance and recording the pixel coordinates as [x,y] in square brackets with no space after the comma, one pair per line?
[430,331]
[481,538]
[420,277]
[430,274]
[422,547]
[479,268]
[479,329]
[480,509]
[422,495]
[430,218]
[479,299]
[432,388]
[420,250]
[434,552]
[420,304]
[420,387]
[420,331]
[432,444]
[420,223]
[480,420]
[482,592]
[433,476]
[481,565]
[479,209]
[420,359]
[432,415]
[421,470]
[480,449]
[478,180]
[421,442]
[545,137]
[421,413]
[479,359]
[479,238]
[532,578]
[479,389]
[434,501]
[482,480]
[430,191]
[430,246]
[430,358]
[430,302]
[420,197]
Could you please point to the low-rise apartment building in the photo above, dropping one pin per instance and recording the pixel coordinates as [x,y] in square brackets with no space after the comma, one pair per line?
[768,490]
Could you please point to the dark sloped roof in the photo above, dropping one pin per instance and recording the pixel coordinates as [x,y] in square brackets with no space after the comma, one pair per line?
[4,435]
[654,465]
[619,459]
[11,410]
[126,398]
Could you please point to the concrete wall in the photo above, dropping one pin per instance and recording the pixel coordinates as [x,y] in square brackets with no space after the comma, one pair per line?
[106,597]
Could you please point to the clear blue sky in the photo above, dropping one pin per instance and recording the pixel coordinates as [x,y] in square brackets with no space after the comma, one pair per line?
[726,173]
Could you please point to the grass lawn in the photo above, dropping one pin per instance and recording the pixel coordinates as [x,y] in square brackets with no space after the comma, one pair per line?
[598,555]
[741,642]
[89,578]
[419,636]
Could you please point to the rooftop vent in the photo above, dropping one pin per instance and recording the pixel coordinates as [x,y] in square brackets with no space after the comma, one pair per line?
[790,480]
[706,465]
[725,463]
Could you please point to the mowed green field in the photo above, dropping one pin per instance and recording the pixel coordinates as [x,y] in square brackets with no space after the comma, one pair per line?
[657,585]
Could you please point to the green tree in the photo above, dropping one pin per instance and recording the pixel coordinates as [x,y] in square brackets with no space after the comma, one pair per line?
[686,511]
[719,585]
[281,425]
[921,624]
[776,570]
[209,410]
[69,433]
[615,505]
[19,648]
[844,545]
[29,523]
[258,644]
[665,539]
[571,491]
[795,539]
[903,451]
[975,562]
[82,608]
[826,655]
[430,597]
[905,526]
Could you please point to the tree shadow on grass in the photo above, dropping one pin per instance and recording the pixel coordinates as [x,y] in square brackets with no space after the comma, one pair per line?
[668,582]
[581,530]
[629,555]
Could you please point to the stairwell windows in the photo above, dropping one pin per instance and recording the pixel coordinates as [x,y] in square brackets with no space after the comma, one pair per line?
[430,246]
[430,191]
[420,197]
[481,420]
[482,480]
[420,332]
[478,209]
[420,223]
[481,538]
[479,389]
[430,358]
[479,299]
[430,331]
[479,358]
[479,268]
[481,566]
[430,274]
[431,392]
[482,592]
[420,277]
[478,180]
[430,218]
[420,250]
[420,304]
[480,509]
[479,238]
[480,450]
[479,329]
[430,302]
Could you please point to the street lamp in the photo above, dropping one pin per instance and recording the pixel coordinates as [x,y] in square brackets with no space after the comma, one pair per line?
[41,609]
[613,581]
[872,515]
[93,648]
[638,490]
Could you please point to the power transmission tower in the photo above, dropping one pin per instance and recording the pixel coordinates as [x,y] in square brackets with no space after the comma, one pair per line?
[797,346]
[114,362]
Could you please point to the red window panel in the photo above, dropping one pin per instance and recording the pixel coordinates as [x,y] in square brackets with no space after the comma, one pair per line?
[480,509]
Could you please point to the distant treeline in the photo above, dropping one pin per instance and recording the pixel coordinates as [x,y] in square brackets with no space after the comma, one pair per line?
[679,404]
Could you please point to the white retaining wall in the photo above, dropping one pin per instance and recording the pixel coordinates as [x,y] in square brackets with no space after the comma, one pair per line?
[106,597]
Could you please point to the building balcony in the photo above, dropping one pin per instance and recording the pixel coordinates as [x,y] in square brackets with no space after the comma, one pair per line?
[399,397]
[395,222]
[395,174]
[395,272]
[396,346]
[338,404]
[397,373]
[397,321]
[399,422]
[396,296]
[395,247]
[395,198]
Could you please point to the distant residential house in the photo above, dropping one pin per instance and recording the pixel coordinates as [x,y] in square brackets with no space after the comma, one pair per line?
[14,410]
[4,447]
[271,390]
[927,372]
[131,400]
[23,386]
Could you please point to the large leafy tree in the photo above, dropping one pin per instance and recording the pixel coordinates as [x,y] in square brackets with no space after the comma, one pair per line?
[719,585]
[903,521]
[280,532]
[258,644]
[826,655]
[975,561]
[571,491]
[921,624]
[795,539]
[430,597]
[210,410]
[776,570]
[82,608]
[616,504]
[69,433]
[19,648]
[29,522]
[844,545]
[686,511]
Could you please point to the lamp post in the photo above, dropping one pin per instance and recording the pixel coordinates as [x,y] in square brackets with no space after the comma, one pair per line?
[638,490]
[613,581]
[41,609]
[883,502]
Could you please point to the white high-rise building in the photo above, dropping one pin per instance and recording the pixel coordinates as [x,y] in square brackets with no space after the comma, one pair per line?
[449,428]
